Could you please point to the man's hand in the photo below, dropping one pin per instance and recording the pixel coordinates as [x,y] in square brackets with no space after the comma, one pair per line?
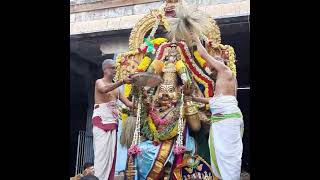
[195,37]
[202,51]
[127,80]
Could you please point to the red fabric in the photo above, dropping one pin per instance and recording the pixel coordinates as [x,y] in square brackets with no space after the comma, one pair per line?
[112,172]
[179,159]
[144,50]
[97,121]
[162,50]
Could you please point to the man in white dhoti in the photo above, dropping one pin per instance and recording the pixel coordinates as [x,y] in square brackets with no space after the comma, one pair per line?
[105,121]
[225,140]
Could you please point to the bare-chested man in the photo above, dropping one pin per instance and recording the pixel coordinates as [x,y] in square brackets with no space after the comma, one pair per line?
[104,120]
[225,140]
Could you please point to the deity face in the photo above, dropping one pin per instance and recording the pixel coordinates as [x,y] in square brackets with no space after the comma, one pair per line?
[167,91]
[173,55]
[166,101]
[167,96]
[172,59]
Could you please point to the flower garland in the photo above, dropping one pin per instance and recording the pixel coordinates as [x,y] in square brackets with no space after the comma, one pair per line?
[201,61]
[150,131]
[121,59]
[179,148]
[160,50]
[156,66]
[203,64]
[127,89]
[232,60]
[196,71]
[134,148]
[183,71]
[200,77]
[180,65]
[159,41]
[118,67]
[150,48]
[156,119]
[231,56]
[144,64]
[124,116]
[168,133]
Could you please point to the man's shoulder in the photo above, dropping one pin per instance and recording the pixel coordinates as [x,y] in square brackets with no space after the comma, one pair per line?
[98,80]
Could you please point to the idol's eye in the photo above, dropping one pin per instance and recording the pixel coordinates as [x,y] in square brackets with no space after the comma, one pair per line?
[171,89]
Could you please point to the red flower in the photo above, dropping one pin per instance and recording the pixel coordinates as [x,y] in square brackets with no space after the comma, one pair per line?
[134,150]
[156,143]
[179,149]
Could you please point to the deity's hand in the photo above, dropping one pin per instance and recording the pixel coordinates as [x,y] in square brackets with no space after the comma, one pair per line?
[188,89]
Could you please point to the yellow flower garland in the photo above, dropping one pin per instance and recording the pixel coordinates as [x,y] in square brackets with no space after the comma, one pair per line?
[124,116]
[232,60]
[144,64]
[157,65]
[155,132]
[153,128]
[172,134]
[199,80]
[201,61]
[158,41]
[127,91]
[118,67]
[180,65]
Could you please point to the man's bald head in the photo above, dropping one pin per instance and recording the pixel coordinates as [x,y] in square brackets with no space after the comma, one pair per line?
[107,63]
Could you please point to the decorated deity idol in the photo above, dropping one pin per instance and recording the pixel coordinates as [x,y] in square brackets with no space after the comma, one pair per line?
[163,133]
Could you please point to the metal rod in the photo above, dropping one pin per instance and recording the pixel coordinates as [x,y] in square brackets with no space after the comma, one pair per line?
[77,161]
[244,88]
